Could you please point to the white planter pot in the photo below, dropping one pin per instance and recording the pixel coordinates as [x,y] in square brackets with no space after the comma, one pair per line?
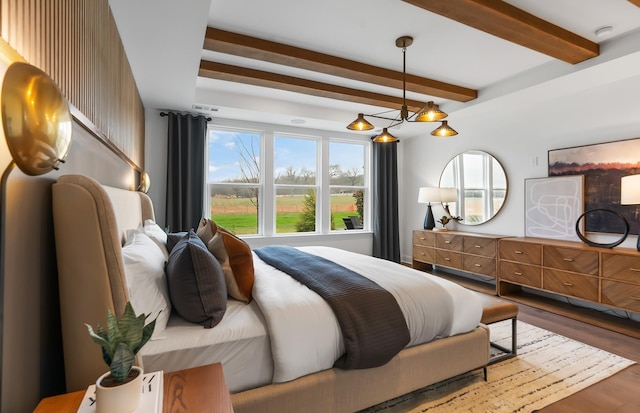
[119,399]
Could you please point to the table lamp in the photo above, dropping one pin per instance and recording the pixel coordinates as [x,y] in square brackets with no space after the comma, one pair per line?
[448,195]
[427,195]
[630,193]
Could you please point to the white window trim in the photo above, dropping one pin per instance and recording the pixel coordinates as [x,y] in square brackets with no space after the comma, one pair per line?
[266,227]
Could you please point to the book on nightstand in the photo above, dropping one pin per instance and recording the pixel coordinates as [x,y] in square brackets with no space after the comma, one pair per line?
[150,401]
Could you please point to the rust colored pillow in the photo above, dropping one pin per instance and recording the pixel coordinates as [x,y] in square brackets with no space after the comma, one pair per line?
[235,258]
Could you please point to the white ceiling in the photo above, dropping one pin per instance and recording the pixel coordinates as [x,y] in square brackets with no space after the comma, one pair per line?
[164,38]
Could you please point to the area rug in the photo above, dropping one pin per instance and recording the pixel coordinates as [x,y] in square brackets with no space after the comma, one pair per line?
[548,367]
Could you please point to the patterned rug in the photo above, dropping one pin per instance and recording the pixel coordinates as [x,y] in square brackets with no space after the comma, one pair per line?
[549,367]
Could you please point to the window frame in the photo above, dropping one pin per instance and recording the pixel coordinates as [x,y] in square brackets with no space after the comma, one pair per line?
[268,187]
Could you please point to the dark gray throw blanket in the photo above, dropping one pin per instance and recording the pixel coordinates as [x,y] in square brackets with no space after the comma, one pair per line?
[372,324]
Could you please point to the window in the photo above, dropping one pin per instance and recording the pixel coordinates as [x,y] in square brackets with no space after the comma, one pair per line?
[347,182]
[234,180]
[295,184]
[271,182]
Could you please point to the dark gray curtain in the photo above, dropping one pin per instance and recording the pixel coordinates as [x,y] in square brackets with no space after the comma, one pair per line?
[386,234]
[185,171]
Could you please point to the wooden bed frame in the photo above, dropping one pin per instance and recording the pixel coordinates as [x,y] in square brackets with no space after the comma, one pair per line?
[90,221]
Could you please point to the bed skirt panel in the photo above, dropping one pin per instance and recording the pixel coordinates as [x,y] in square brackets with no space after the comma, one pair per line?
[338,390]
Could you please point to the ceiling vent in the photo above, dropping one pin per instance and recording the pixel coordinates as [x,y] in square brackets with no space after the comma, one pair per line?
[204,108]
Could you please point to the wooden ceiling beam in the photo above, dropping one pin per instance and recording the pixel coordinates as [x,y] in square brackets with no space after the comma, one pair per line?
[246,46]
[636,2]
[515,25]
[255,77]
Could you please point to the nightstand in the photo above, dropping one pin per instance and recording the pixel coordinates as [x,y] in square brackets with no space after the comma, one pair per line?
[199,389]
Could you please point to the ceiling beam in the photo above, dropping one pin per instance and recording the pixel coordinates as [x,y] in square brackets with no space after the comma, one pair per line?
[515,25]
[636,2]
[246,46]
[221,71]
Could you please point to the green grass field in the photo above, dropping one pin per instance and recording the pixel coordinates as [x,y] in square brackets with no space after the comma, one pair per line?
[239,214]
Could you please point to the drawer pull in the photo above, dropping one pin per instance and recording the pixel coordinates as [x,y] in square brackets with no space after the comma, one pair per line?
[567,284]
[568,259]
[447,259]
[634,269]
[635,298]
[517,273]
[477,265]
[517,252]
[422,238]
[422,253]
[447,242]
[478,246]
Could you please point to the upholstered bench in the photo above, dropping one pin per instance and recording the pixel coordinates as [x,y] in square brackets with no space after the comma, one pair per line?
[493,310]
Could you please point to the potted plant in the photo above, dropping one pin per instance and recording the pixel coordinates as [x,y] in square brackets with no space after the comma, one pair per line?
[445,220]
[120,388]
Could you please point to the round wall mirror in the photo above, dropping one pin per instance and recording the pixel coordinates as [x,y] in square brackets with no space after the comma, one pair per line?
[481,184]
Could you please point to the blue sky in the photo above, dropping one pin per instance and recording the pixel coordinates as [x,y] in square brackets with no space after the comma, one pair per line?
[224,153]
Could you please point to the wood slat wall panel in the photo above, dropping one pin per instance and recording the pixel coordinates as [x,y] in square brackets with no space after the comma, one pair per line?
[77,43]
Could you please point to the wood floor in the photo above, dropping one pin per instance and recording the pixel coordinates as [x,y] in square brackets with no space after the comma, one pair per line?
[619,393]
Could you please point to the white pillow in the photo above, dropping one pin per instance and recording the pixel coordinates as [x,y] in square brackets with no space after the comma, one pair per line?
[144,265]
[157,234]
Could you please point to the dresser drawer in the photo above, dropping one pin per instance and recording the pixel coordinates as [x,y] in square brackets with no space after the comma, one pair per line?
[449,259]
[479,265]
[621,295]
[520,251]
[522,274]
[576,285]
[424,237]
[424,254]
[621,267]
[570,259]
[449,241]
[485,247]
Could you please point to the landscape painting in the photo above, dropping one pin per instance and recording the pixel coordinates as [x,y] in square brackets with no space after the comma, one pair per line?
[602,166]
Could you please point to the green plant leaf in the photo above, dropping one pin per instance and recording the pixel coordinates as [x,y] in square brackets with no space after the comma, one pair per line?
[122,362]
[99,338]
[122,340]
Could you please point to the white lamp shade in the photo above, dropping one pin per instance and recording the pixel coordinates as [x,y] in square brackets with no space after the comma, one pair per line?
[630,190]
[448,195]
[427,195]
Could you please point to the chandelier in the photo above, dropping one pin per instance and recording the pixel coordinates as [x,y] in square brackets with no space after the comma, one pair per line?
[429,113]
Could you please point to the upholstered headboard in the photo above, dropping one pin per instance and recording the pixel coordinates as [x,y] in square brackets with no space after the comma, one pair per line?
[90,222]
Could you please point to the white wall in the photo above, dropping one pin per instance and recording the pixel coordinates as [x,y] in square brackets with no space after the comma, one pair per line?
[518,134]
[155,160]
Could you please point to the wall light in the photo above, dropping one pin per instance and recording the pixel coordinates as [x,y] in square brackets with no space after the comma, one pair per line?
[36,123]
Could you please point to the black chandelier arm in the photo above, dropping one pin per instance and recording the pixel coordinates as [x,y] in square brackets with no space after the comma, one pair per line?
[381,117]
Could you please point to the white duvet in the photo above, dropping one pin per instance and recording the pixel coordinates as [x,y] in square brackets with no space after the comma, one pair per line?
[305,336]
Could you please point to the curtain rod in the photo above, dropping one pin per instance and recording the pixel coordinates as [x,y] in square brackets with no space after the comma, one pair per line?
[163,114]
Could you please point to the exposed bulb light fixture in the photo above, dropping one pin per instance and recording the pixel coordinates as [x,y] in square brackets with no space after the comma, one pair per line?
[360,124]
[444,130]
[429,113]
[385,137]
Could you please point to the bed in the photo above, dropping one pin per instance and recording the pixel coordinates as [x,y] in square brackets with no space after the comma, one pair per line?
[93,221]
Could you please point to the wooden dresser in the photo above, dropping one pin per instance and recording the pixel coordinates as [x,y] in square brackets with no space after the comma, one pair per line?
[469,252]
[609,277]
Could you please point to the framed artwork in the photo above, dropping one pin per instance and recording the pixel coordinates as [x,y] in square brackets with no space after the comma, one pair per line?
[602,165]
[552,206]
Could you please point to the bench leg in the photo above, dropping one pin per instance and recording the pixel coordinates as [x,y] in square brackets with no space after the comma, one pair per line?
[508,353]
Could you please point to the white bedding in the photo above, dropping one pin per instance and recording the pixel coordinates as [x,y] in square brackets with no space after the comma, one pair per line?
[240,342]
[303,335]
[304,332]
